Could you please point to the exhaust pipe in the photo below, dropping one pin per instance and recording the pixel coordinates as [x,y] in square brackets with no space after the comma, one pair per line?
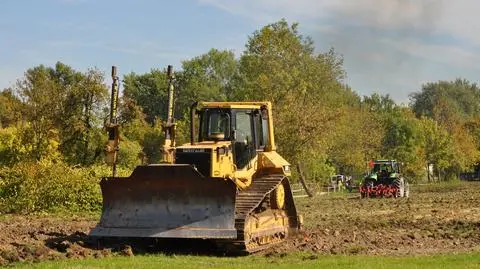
[193,109]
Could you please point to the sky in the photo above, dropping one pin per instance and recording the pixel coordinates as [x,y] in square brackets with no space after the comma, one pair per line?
[389,46]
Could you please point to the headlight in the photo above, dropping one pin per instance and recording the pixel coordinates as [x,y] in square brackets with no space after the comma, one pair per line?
[286,168]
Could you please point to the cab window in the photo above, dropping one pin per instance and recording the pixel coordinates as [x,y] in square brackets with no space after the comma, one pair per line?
[215,125]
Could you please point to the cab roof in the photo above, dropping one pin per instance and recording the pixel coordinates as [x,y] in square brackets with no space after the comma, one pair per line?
[247,105]
[384,161]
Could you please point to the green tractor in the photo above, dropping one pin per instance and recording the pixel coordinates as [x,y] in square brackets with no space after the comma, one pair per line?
[384,180]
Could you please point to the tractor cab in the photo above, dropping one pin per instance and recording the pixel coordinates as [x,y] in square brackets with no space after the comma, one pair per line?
[384,169]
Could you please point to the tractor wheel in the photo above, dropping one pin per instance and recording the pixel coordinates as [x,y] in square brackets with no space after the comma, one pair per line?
[407,189]
[400,185]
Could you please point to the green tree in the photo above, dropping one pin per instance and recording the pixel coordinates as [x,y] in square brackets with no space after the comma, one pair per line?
[82,116]
[446,98]
[439,148]
[453,106]
[379,103]
[63,104]
[404,142]
[10,108]
[280,65]
[149,91]
[43,103]
[351,148]
[207,77]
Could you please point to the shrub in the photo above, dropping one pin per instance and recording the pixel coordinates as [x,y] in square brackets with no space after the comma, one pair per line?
[33,187]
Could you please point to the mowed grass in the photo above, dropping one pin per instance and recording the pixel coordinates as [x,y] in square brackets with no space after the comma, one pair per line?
[298,260]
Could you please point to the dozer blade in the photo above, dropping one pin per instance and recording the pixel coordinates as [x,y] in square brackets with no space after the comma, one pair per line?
[167,201]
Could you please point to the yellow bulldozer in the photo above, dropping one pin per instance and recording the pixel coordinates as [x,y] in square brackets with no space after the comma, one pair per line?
[228,184]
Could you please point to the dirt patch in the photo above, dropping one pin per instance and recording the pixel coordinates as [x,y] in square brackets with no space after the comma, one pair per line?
[33,238]
[432,220]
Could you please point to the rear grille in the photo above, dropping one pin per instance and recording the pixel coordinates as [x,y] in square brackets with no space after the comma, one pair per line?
[201,160]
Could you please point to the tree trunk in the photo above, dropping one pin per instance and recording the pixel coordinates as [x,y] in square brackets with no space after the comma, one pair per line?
[302,180]
[428,172]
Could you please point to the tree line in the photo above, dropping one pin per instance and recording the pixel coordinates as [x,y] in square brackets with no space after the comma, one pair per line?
[56,114]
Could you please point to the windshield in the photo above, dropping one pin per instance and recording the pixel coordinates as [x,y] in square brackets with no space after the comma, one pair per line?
[215,125]
[387,167]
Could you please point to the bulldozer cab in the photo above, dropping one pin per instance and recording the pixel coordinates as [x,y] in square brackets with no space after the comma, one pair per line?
[247,129]
[215,125]
[245,138]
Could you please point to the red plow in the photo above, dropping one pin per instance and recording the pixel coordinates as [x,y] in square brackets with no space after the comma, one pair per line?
[380,191]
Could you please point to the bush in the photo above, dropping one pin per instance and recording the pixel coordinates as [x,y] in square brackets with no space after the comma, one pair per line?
[129,154]
[34,187]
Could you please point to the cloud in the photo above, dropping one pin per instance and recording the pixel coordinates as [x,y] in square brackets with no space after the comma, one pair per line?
[455,56]
[454,18]
[390,46]
[268,10]
[388,14]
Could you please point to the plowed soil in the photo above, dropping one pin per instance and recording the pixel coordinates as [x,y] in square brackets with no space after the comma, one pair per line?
[435,219]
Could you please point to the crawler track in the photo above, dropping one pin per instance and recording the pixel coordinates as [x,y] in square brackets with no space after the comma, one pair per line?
[252,209]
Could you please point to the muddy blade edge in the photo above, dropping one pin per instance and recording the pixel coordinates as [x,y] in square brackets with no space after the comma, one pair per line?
[167,201]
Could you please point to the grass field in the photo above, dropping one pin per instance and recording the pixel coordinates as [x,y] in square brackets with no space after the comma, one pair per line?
[298,260]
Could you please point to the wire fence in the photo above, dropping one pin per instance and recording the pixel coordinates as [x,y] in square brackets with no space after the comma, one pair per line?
[316,188]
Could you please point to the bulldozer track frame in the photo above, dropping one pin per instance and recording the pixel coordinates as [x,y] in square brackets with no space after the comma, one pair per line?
[248,202]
